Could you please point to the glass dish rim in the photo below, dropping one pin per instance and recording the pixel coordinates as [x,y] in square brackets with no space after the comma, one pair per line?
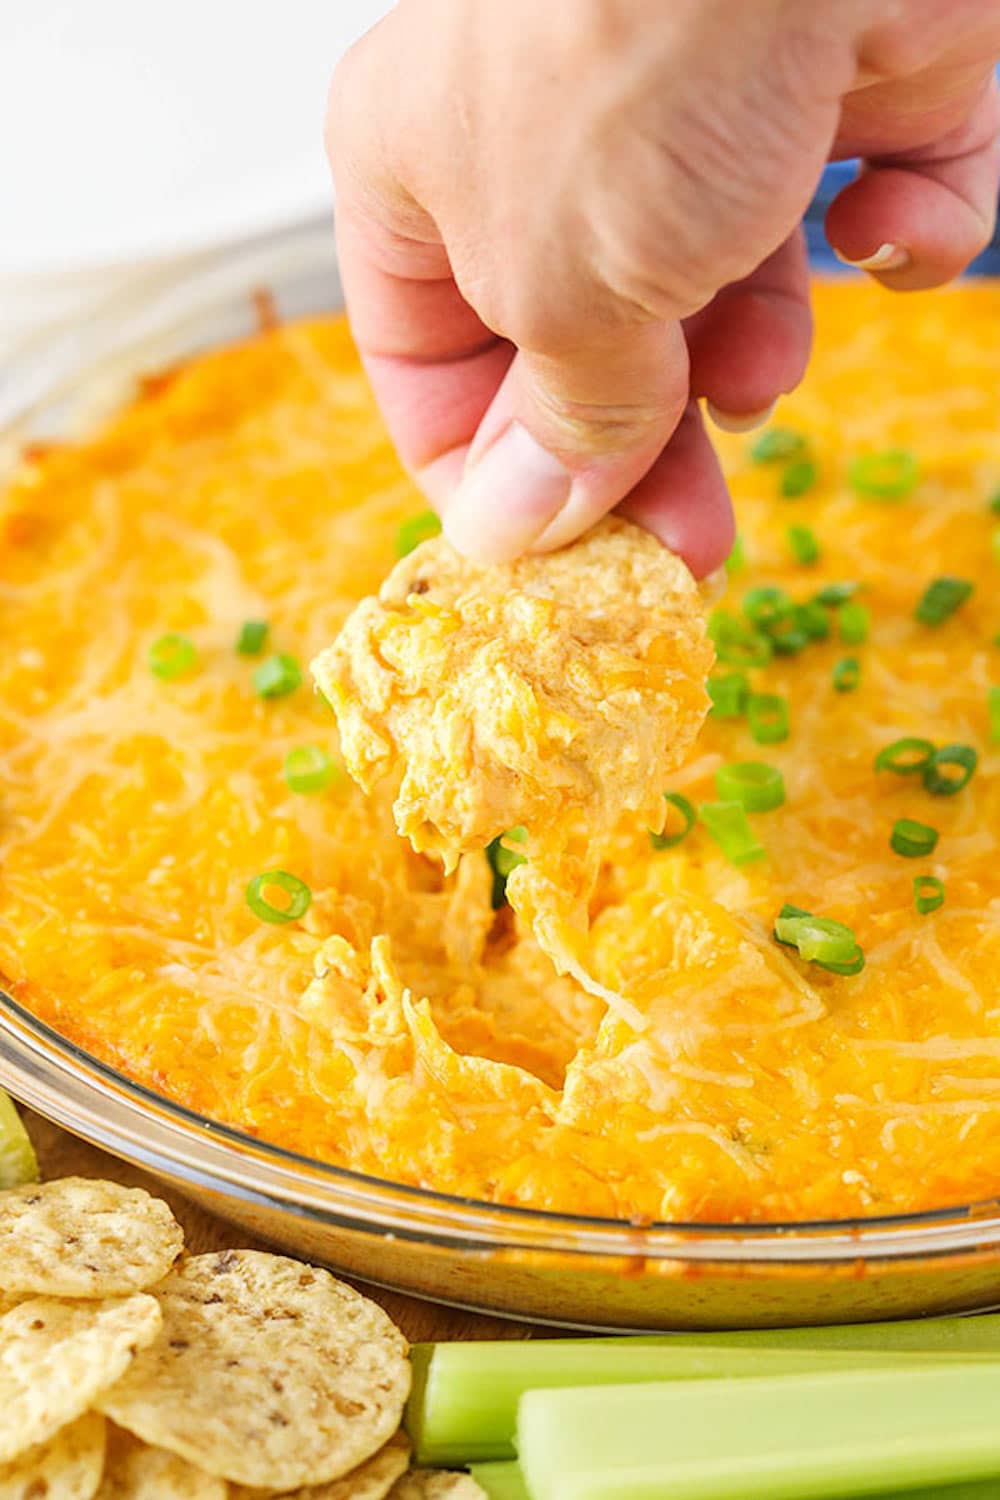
[33,1048]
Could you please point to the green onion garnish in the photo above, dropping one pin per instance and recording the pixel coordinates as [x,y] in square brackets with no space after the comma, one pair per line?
[846,674]
[687,812]
[818,939]
[777,444]
[172,656]
[994,502]
[905,756]
[416,529]
[735,644]
[503,860]
[852,964]
[252,637]
[277,676]
[854,622]
[812,619]
[729,693]
[769,718]
[752,783]
[834,594]
[993,708]
[308,769]
[891,475]
[737,559]
[941,599]
[913,839]
[804,544]
[765,606]
[928,893]
[943,783]
[798,478]
[728,825]
[298,893]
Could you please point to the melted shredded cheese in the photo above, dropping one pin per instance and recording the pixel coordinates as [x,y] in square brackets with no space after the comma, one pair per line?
[401,1027]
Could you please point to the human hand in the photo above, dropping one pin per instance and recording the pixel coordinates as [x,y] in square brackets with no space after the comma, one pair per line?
[560,225]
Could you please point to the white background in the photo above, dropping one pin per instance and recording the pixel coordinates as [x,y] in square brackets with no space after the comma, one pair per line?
[132,131]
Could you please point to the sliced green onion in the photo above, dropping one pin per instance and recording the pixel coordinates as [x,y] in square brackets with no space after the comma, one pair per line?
[812,619]
[913,839]
[798,478]
[752,783]
[854,622]
[687,812]
[298,893]
[818,939]
[308,769]
[737,559]
[277,676]
[993,707]
[729,693]
[503,860]
[847,674]
[776,445]
[252,637]
[928,893]
[735,644]
[891,475]
[172,656]
[834,594]
[941,599]
[416,529]
[769,718]
[994,502]
[728,825]
[905,756]
[804,544]
[853,960]
[763,607]
[944,783]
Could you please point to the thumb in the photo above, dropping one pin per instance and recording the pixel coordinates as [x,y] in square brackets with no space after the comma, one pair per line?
[569,433]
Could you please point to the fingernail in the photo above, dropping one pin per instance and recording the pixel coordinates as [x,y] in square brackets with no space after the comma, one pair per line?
[739,421]
[886,258]
[506,499]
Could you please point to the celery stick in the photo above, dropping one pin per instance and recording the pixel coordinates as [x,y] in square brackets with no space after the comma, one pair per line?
[506,1482]
[968,1335]
[18,1162]
[805,1437]
[464,1402]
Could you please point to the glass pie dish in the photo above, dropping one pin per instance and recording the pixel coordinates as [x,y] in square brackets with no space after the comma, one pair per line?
[557,1268]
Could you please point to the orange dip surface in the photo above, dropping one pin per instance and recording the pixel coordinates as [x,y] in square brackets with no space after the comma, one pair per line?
[401,1026]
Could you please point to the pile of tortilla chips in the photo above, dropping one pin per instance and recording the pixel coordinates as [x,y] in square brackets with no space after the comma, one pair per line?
[129,1369]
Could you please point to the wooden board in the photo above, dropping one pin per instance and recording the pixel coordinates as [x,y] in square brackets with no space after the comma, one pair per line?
[62,1155]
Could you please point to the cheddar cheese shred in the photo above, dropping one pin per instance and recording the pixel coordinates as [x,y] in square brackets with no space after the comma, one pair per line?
[402,1026]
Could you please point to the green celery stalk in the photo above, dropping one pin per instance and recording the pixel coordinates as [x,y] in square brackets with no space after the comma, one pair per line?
[970,1335]
[803,1437]
[463,1407]
[18,1163]
[506,1482]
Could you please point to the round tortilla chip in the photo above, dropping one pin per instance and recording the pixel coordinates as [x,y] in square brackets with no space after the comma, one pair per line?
[67,1467]
[372,1480]
[267,1372]
[437,1484]
[57,1357]
[80,1237]
[134,1471]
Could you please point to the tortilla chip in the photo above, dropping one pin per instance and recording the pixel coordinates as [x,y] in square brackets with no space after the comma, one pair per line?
[267,1372]
[67,1467]
[135,1471]
[56,1358]
[437,1484]
[76,1237]
[372,1480]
